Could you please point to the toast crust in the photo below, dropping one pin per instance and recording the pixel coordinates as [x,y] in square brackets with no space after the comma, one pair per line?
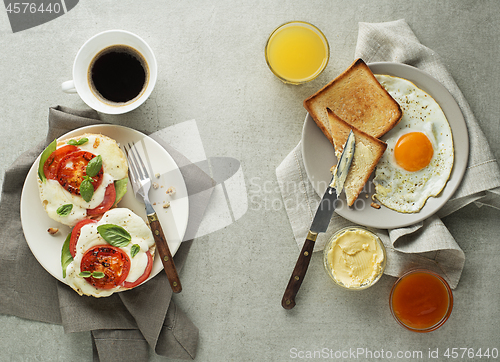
[368,152]
[357,98]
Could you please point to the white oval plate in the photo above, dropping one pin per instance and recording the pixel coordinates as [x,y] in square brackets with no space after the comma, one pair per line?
[319,156]
[47,248]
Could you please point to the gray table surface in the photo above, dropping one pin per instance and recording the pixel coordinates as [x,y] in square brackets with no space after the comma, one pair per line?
[212,69]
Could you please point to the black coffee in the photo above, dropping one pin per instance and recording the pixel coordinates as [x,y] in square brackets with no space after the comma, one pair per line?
[118,74]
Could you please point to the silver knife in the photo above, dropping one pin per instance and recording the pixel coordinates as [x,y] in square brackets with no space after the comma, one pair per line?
[320,222]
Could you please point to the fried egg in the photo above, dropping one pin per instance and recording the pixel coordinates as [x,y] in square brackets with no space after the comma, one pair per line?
[114,165]
[89,237]
[419,156]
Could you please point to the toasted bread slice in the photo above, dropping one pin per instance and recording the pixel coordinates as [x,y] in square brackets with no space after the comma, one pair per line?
[358,98]
[367,153]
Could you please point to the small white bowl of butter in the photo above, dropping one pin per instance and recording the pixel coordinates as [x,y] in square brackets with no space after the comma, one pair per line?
[355,258]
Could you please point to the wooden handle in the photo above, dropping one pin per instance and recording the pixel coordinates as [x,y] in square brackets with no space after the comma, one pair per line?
[165,255]
[299,272]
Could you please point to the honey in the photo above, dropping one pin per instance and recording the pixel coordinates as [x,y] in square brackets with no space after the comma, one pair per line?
[421,301]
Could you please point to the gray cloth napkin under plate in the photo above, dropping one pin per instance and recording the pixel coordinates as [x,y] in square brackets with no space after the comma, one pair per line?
[427,244]
[122,325]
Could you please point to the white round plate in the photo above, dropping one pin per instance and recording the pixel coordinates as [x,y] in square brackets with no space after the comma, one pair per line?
[319,157]
[47,248]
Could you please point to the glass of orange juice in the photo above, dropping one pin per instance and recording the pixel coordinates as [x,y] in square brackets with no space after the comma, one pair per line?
[297,52]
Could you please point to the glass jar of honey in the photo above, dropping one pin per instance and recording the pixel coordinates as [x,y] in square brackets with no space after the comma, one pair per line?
[421,300]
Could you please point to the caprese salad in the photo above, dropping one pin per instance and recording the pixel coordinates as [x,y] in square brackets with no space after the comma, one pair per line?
[81,178]
[113,254]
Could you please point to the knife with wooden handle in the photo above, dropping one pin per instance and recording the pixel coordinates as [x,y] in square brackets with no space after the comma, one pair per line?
[320,222]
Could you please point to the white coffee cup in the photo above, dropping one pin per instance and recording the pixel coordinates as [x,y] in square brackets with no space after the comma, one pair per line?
[81,83]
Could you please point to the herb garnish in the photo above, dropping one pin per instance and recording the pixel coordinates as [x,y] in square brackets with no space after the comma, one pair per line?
[94,274]
[80,142]
[44,157]
[64,210]
[114,235]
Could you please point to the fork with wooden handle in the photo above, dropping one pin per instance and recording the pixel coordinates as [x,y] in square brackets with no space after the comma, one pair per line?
[141,183]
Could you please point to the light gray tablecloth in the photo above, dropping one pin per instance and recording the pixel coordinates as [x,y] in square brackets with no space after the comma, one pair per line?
[427,244]
[122,325]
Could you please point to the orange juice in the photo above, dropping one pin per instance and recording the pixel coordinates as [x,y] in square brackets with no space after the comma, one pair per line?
[421,301]
[297,52]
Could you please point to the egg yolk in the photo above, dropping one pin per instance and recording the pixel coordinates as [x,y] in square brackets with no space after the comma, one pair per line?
[413,151]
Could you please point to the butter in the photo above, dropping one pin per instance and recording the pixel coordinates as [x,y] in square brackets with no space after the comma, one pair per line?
[339,180]
[355,258]
[363,154]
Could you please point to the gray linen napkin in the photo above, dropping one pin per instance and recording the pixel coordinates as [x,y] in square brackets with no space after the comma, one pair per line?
[426,244]
[123,324]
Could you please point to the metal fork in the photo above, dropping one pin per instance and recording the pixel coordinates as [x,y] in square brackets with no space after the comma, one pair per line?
[141,183]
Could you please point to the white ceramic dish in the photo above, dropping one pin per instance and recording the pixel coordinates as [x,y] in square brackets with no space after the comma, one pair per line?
[319,156]
[47,248]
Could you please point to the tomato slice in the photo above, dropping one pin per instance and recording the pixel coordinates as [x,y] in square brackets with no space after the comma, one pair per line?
[75,234]
[105,205]
[72,167]
[52,163]
[144,276]
[112,261]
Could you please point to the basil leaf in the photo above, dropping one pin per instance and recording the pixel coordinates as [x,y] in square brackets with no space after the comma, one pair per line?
[45,155]
[66,257]
[120,189]
[94,274]
[98,275]
[114,235]
[94,166]
[134,250]
[64,210]
[86,189]
[85,274]
[80,142]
